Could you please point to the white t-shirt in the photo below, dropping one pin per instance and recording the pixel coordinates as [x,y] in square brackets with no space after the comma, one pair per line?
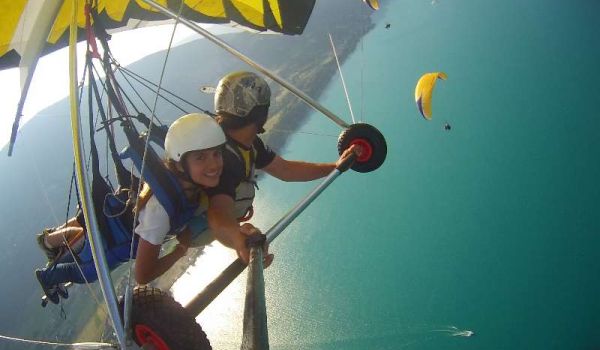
[153,222]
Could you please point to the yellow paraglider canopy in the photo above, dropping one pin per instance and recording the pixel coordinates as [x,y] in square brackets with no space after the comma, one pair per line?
[424,91]
[373,4]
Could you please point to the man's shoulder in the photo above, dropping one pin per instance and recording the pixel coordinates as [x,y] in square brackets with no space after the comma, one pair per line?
[264,154]
[260,146]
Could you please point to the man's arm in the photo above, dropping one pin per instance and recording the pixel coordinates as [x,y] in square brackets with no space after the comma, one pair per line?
[290,170]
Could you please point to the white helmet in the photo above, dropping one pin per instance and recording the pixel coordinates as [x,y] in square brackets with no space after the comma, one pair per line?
[239,92]
[192,132]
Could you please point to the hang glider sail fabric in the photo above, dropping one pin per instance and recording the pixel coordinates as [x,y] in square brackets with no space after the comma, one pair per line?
[23,24]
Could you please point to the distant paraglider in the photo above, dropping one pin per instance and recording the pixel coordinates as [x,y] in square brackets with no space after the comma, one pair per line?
[373,4]
[424,91]
[208,89]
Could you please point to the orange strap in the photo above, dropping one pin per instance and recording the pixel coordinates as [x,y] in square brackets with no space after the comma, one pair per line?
[76,238]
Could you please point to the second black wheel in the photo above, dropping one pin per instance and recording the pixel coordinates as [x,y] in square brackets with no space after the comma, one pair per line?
[372,143]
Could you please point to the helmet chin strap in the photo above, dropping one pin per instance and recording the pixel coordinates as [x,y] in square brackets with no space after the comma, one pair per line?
[261,121]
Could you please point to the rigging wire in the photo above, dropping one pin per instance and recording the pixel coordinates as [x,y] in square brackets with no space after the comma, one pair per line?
[87,283]
[73,254]
[104,90]
[87,167]
[86,345]
[118,92]
[79,98]
[153,117]
[65,241]
[141,181]
[96,122]
[121,92]
[145,82]
[342,76]
[107,134]
[362,70]
[67,245]
[142,99]
[70,193]
[138,95]
[284,131]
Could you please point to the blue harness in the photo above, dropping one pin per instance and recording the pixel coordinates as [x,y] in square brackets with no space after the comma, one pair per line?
[115,216]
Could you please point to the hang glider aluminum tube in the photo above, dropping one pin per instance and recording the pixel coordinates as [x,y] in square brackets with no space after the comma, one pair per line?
[208,35]
[255,333]
[87,204]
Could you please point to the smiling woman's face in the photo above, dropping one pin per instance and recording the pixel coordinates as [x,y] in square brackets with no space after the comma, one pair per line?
[205,166]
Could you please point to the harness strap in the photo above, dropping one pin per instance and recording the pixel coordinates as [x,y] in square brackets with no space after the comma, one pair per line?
[158,134]
[248,159]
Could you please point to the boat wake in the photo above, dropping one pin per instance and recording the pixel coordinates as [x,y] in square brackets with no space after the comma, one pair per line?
[452,331]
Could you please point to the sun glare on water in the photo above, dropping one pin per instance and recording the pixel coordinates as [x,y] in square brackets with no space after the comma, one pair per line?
[222,319]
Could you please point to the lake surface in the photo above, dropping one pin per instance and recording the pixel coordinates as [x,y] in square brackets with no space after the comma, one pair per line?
[491,227]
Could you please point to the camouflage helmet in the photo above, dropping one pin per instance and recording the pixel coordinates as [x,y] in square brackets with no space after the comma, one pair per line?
[239,92]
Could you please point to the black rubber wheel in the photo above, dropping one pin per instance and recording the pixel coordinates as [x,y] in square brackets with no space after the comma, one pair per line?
[159,320]
[372,142]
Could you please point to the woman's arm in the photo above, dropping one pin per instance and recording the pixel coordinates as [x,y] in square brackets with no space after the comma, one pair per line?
[149,266]
[225,226]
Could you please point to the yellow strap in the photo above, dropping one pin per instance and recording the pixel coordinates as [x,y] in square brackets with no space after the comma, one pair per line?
[246,155]
[204,200]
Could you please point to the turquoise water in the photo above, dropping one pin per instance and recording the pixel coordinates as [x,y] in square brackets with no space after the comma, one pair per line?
[490,227]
